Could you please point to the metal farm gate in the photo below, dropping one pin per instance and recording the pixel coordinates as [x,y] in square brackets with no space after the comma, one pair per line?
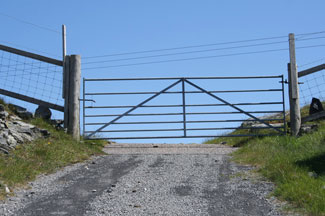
[194,107]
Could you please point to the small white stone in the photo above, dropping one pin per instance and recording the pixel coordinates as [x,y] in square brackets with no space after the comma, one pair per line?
[7,189]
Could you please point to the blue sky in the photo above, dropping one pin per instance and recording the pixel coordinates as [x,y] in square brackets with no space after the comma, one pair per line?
[96,28]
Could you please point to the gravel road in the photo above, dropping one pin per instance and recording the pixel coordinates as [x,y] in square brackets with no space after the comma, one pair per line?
[145,179]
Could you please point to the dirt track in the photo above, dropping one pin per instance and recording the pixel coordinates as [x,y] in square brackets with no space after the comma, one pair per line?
[148,180]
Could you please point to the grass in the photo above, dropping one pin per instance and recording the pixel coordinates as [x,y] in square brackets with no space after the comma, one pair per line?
[295,164]
[43,156]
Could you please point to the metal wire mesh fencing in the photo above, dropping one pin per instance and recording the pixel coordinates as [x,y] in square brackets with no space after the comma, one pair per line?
[31,78]
[312,85]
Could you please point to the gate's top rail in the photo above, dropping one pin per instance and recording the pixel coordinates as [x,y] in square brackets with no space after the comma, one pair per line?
[177,78]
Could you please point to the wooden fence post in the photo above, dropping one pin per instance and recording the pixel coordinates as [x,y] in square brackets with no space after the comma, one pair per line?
[295,118]
[74,93]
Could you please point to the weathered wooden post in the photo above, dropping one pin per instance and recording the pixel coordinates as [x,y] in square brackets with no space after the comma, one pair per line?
[74,93]
[295,118]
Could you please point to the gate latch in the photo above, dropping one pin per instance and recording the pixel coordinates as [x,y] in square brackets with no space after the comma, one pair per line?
[286,82]
[81,99]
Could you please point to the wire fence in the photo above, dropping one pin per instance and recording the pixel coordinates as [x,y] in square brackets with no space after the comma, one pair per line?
[30,77]
[312,86]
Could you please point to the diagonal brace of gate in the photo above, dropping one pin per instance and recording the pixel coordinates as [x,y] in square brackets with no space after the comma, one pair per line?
[137,106]
[233,106]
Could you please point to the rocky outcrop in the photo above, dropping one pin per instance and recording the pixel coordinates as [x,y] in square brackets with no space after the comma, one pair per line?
[43,112]
[21,112]
[13,131]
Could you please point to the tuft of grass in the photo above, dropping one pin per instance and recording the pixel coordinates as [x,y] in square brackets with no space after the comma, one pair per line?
[295,165]
[44,156]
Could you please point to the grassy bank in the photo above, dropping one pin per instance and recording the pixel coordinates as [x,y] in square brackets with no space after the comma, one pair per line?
[295,165]
[44,155]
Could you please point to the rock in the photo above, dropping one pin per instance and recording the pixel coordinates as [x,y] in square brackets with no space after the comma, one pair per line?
[17,137]
[45,133]
[24,114]
[4,149]
[307,128]
[312,174]
[4,115]
[57,123]
[7,189]
[3,140]
[14,132]
[315,106]
[249,122]
[15,118]
[21,111]
[11,141]
[16,107]
[43,112]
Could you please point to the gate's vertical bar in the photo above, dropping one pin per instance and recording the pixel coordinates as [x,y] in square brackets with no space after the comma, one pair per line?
[284,108]
[184,106]
[83,106]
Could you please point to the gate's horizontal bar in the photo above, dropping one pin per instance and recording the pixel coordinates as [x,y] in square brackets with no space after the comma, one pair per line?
[175,78]
[194,113]
[181,129]
[180,122]
[188,105]
[187,92]
[172,137]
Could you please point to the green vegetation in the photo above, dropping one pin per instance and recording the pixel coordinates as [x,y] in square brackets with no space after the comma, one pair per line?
[295,164]
[43,156]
